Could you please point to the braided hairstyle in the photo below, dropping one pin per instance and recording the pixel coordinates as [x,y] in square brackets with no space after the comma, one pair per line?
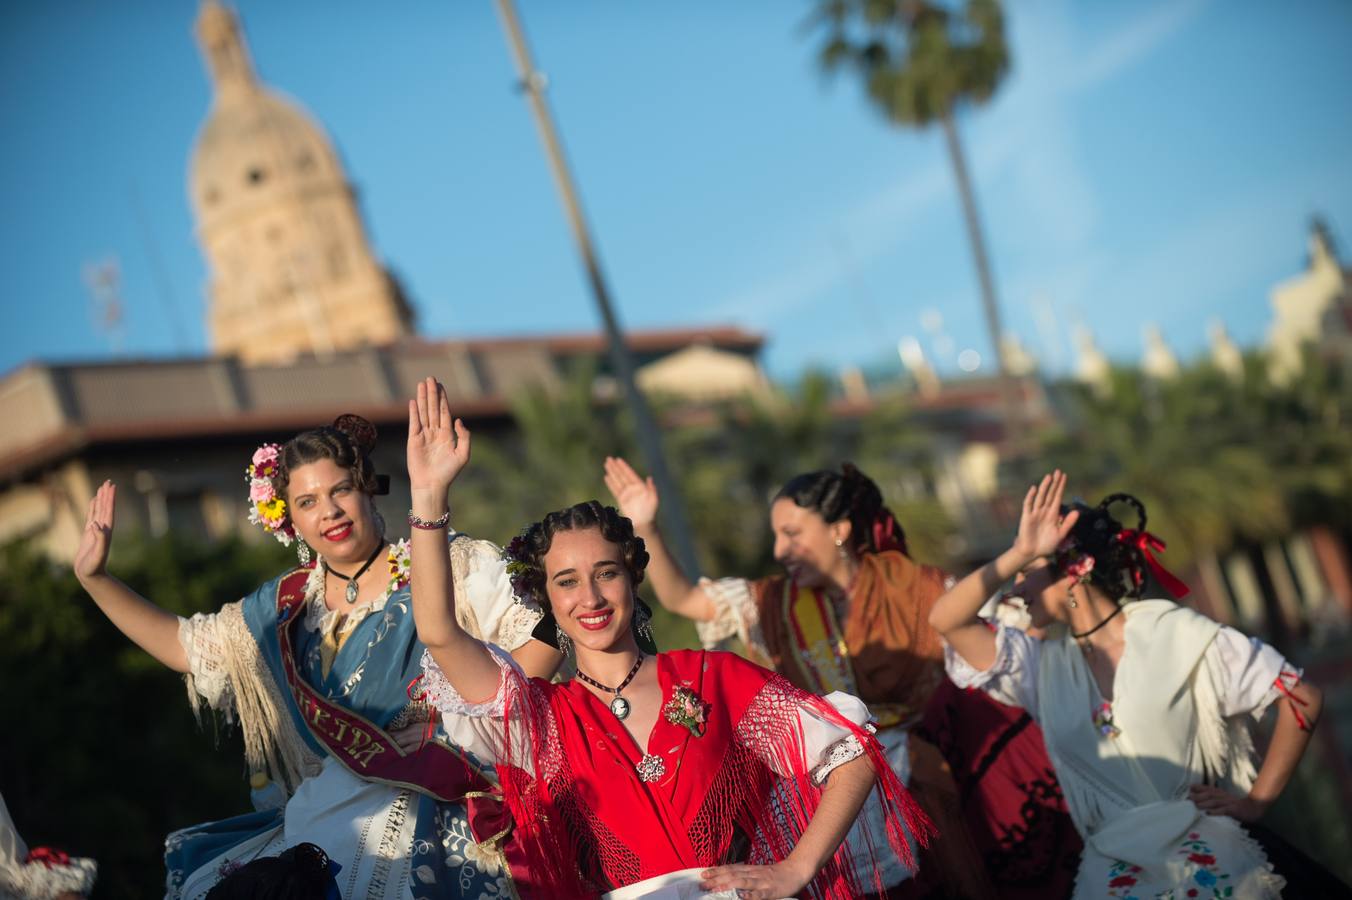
[302,872]
[1119,568]
[848,494]
[348,442]
[526,553]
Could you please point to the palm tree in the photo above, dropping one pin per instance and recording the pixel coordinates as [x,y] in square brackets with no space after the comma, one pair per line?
[920,62]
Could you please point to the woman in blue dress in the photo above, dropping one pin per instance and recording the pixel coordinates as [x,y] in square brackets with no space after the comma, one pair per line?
[319,667]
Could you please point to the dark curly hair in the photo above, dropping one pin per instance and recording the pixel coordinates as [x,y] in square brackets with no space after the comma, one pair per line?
[1120,567]
[298,873]
[348,442]
[525,554]
[848,494]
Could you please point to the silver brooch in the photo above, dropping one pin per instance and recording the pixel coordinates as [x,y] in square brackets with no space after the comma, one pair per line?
[651,768]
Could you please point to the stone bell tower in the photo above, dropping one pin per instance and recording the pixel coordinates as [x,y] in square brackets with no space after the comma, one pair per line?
[289,267]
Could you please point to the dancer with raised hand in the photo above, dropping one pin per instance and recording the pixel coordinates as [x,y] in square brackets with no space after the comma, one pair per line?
[1142,701]
[316,666]
[643,776]
[849,614]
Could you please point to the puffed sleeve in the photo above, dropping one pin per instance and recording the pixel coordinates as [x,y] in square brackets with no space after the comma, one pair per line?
[1011,679]
[478,727]
[735,614]
[205,646]
[1252,673]
[826,744]
[495,615]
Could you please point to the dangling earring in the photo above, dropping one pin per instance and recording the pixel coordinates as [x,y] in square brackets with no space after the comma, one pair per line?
[379,521]
[565,642]
[840,548]
[643,622]
[302,552]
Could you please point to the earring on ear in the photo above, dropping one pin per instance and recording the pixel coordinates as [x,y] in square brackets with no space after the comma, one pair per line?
[302,551]
[565,642]
[643,624]
[840,549]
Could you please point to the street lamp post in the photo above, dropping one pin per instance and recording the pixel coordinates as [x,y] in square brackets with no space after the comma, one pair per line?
[650,442]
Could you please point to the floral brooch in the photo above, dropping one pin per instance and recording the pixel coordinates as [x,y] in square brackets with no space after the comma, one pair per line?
[1103,720]
[687,709]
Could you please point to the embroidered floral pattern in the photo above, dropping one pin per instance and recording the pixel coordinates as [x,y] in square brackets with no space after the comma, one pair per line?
[687,709]
[1206,873]
[1122,879]
[1103,721]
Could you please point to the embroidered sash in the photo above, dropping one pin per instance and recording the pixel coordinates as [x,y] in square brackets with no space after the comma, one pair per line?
[818,642]
[436,769]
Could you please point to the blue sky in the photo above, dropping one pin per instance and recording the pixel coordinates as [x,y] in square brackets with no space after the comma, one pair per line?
[1150,161]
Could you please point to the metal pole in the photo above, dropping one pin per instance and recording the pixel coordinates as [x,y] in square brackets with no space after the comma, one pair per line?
[650,443]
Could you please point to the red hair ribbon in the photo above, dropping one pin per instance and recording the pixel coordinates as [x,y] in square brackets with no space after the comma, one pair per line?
[1296,703]
[1148,544]
[420,697]
[886,534]
[47,856]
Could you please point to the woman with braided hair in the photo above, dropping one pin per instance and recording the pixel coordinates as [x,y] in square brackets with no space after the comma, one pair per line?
[678,774]
[848,614]
[316,668]
[1143,702]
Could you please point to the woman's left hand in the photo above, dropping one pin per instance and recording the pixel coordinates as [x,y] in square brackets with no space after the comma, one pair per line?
[755,882]
[1217,802]
[438,445]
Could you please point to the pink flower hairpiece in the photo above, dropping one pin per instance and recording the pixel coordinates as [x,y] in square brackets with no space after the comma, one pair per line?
[1071,560]
[266,507]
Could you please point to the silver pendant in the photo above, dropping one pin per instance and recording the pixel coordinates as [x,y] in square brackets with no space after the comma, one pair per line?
[351,594]
[619,707]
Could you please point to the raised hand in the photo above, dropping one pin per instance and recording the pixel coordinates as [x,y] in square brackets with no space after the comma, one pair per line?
[636,497]
[1042,528]
[438,445]
[91,558]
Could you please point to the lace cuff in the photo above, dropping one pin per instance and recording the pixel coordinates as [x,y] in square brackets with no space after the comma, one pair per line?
[201,640]
[839,753]
[441,694]
[735,611]
[517,624]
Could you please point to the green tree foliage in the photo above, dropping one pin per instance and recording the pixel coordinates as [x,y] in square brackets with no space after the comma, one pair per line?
[99,754]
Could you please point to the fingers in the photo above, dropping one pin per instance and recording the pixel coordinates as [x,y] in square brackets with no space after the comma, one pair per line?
[112,506]
[423,418]
[462,435]
[414,421]
[1067,524]
[444,410]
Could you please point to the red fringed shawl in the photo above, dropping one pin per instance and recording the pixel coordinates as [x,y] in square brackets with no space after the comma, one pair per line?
[740,792]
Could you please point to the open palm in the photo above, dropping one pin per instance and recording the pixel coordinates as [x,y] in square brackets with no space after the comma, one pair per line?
[1042,528]
[636,497]
[438,445]
[91,557]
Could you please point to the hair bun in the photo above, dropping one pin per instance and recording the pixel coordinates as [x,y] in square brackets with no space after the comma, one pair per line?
[360,430]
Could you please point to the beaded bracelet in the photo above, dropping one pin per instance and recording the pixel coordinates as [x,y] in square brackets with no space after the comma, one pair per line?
[429,524]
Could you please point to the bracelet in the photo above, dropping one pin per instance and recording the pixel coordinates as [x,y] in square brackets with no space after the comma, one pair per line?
[429,524]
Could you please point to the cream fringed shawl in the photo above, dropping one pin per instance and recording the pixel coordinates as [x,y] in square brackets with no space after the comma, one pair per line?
[1128,793]
[243,686]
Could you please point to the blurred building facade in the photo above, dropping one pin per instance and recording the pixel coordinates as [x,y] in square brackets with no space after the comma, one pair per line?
[304,324]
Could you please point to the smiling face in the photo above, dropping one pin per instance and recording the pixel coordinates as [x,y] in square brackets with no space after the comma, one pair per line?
[589,589]
[330,513]
[805,543]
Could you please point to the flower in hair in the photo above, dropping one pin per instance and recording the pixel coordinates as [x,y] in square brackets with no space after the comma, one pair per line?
[1071,560]
[266,507]
[518,568]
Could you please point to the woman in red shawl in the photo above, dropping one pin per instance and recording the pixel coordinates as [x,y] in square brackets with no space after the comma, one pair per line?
[698,766]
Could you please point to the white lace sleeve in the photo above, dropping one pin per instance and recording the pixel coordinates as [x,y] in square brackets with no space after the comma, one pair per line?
[202,641]
[482,582]
[826,744]
[1250,669]
[1011,679]
[476,727]
[735,614]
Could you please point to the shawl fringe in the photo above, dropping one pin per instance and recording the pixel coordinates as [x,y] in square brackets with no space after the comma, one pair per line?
[272,743]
